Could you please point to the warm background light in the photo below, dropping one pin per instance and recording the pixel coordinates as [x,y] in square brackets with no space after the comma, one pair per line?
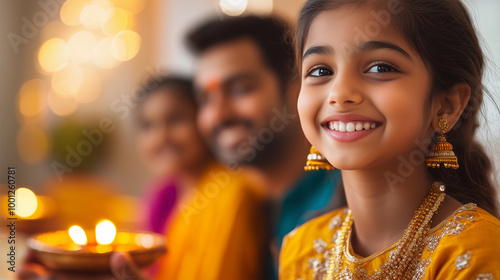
[32,98]
[53,55]
[26,202]
[233,7]
[125,45]
[134,6]
[78,235]
[61,105]
[32,144]
[70,11]
[90,88]
[118,20]
[67,81]
[103,57]
[81,46]
[95,14]
[105,232]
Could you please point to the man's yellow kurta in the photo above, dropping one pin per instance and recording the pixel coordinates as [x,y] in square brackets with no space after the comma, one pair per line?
[218,232]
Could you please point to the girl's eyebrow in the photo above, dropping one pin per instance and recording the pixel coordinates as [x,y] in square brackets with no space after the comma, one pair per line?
[318,50]
[366,46]
[375,45]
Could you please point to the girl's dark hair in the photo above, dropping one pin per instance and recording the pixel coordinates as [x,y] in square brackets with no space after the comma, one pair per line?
[442,33]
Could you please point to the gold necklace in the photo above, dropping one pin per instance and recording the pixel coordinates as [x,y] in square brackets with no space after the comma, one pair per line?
[403,261]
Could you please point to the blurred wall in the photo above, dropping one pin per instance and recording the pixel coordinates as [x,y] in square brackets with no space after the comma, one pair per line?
[26,25]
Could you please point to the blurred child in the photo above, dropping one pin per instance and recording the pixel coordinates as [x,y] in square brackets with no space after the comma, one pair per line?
[169,145]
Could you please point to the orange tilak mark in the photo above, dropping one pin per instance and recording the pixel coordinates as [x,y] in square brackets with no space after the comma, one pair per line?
[213,85]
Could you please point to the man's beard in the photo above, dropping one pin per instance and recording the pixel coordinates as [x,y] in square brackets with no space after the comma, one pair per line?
[263,148]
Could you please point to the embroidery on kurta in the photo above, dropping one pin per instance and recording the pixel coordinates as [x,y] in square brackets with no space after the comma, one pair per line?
[421,268]
[485,276]
[463,261]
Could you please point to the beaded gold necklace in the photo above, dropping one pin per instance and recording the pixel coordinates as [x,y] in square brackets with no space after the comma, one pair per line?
[403,261]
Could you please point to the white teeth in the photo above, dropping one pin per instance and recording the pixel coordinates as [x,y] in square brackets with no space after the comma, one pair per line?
[351,126]
[342,127]
[366,126]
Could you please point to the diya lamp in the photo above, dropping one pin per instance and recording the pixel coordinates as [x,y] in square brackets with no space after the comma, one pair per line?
[83,250]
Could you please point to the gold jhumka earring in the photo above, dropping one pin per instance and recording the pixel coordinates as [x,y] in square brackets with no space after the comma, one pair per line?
[316,161]
[443,150]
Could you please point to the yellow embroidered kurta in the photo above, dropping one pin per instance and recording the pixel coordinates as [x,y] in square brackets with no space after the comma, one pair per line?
[464,246]
[217,232]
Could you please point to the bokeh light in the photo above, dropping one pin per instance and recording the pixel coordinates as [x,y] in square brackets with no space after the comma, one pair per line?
[53,55]
[103,57]
[32,98]
[118,20]
[123,237]
[32,144]
[71,10]
[95,14]
[91,87]
[233,7]
[133,6]
[126,45]
[26,202]
[81,46]
[144,240]
[67,81]
[61,105]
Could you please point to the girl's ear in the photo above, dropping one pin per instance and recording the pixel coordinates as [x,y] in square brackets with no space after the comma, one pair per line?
[451,105]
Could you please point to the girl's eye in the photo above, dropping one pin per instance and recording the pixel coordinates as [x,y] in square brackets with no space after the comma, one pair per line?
[381,68]
[319,72]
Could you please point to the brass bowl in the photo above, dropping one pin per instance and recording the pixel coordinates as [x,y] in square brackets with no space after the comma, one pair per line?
[56,251]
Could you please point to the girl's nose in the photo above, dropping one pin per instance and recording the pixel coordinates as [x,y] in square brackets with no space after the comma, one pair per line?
[345,91]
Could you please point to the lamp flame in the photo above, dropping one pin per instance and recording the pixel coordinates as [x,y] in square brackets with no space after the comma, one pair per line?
[105,232]
[78,235]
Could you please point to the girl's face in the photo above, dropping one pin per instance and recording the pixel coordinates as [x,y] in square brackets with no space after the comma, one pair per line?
[364,91]
[168,139]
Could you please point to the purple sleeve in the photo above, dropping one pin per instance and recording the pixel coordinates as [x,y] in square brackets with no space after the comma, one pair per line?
[159,204]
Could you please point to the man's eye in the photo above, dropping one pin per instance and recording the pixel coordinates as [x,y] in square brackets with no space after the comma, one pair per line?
[319,72]
[202,100]
[240,89]
[381,68]
[145,125]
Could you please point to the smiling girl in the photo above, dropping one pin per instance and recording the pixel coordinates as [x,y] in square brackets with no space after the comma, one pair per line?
[381,80]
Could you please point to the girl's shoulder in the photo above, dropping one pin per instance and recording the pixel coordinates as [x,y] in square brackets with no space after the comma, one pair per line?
[467,215]
[302,246]
[466,246]
[469,219]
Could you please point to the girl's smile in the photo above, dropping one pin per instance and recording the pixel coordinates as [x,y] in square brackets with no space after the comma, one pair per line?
[350,127]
